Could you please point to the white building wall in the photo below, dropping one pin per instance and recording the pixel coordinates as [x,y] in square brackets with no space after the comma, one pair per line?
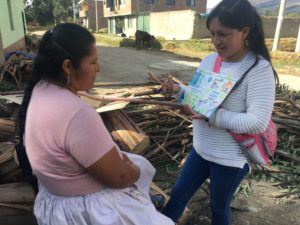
[2,58]
[172,25]
[130,25]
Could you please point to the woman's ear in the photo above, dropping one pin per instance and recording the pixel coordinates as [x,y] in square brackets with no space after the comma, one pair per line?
[67,66]
[245,33]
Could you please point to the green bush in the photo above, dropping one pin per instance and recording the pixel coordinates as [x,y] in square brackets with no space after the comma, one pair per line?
[127,42]
[103,31]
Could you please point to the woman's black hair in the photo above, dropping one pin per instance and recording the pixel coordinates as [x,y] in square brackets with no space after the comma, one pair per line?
[238,14]
[64,41]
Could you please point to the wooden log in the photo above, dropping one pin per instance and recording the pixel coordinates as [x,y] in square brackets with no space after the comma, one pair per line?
[118,84]
[13,177]
[144,111]
[163,130]
[16,193]
[8,167]
[126,132]
[11,92]
[7,128]
[148,123]
[27,208]
[6,152]
[133,100]
[152,92]
[160,147]
[173,136]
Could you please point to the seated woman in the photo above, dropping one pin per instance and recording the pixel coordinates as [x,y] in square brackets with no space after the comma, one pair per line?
[83,177]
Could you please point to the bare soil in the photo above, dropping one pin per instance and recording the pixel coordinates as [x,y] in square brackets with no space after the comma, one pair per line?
[130,65]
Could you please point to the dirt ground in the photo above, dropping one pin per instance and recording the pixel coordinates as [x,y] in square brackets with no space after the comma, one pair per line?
[260,208]
[129,65]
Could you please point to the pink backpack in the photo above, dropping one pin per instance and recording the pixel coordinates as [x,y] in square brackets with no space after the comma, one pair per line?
[256,147]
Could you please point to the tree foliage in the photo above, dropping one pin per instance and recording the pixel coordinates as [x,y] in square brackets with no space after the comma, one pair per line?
[49,11]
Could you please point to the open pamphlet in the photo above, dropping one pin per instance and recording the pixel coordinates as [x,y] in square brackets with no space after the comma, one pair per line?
[207,90]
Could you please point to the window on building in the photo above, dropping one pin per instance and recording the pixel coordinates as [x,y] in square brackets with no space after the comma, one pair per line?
[190,2]
[11,19]
[149,1]
[122,2]
[170,2]
[130,25]
[109,3]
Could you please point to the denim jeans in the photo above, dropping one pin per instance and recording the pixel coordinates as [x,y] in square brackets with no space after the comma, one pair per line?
[224,181]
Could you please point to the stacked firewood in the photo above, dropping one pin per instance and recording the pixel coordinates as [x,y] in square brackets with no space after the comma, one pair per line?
[165,132]
[16,71]
[170,132]
[16,195]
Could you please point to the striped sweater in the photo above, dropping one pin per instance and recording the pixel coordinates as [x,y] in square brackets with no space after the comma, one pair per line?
[247,109]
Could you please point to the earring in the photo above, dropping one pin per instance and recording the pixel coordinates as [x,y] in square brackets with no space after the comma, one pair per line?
[246,43]
[68,79]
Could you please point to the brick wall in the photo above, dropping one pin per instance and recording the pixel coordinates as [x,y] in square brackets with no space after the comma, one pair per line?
[161,6]
[118,9]
[134,6]
[289,28]
[102,22]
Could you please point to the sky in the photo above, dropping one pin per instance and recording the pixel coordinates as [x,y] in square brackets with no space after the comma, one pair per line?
[212,3]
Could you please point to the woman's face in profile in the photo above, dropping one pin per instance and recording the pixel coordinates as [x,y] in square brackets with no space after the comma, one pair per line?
[229,42]
[83,77]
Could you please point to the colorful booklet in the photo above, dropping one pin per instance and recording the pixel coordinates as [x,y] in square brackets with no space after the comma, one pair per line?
[207,91]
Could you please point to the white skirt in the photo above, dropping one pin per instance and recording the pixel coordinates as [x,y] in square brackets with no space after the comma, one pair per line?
[129,206]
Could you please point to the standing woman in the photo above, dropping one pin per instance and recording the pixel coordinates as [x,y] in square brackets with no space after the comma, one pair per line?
[238,38]
[83,177]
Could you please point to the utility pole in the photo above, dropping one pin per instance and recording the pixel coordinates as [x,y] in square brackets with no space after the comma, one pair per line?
[298,41]
[278,26]
[74,14]
[96,14]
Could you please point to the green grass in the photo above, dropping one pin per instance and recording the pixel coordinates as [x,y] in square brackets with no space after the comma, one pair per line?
[106,39]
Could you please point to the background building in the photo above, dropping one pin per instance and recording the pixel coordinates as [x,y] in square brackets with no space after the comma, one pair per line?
[87,14]
[171,19]
[12,26]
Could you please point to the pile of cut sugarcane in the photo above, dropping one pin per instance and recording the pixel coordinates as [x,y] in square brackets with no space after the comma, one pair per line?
[170,134]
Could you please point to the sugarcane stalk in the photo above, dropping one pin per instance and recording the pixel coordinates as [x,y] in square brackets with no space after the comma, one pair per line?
[132,100]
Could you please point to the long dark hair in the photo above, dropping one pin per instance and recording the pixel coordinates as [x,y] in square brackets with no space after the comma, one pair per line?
[238,14]
[64,41]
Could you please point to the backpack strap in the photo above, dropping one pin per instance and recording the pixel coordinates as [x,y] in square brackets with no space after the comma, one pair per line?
[244,74]
[217,65]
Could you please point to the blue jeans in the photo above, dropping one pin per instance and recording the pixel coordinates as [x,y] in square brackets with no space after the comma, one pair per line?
[224,181]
